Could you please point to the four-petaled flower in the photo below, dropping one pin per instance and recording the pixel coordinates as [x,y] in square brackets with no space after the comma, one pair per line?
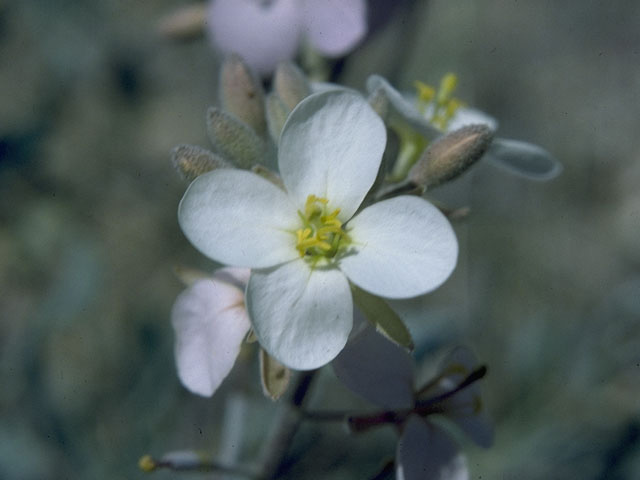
[435,112]
[381,372]
[266,32]
[306,243]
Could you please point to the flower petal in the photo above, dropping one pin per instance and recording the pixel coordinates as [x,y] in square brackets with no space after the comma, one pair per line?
[477,426]
[470,116]
[377,369]
[402,111]
[465,408]
[331,147]
[523,159]
[263,35]
[302,317]
[238,218]
[404,247]
[210,322]
[334,27]
[238,277]
[425,452]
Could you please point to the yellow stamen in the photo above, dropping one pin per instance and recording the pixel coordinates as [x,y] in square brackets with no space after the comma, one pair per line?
[425,92]
[147,464]
[447,86]
[322,232]
[440,104]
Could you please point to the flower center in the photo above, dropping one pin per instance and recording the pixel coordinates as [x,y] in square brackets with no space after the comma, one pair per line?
[321,234]
[440,105]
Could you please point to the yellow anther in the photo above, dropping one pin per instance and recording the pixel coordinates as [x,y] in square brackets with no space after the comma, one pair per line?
[333,222]
[453,105]
[448,85]
[324,232]
[323,245]
[303,234]
[425,92]
[330,217]
[147,464]
[440,105]
[321,232]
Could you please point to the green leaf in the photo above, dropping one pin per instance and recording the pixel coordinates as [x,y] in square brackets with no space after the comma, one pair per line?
[380,314]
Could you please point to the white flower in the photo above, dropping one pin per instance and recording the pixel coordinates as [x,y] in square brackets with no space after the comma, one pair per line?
[381,372]
[306,243]
[210,323]
[266,32]
[435,112]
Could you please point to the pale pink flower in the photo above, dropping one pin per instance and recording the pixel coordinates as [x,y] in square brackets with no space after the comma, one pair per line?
[266,32]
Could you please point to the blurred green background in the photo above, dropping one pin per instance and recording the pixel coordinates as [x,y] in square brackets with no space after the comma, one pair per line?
[547,291]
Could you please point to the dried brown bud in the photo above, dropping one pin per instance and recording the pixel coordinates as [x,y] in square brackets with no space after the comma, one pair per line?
[450,155]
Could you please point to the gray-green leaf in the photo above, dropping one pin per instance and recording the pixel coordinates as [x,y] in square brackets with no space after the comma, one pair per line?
[380,314]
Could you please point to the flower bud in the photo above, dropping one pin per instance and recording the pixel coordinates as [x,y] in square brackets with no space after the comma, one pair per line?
[186,23]
[277,113]
[290,84]
[191,161]
[267,174]
[450,155]
[241,93]
[233,138]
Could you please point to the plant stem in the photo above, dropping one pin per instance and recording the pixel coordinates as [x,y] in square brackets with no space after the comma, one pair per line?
[432,405]
[275,456]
